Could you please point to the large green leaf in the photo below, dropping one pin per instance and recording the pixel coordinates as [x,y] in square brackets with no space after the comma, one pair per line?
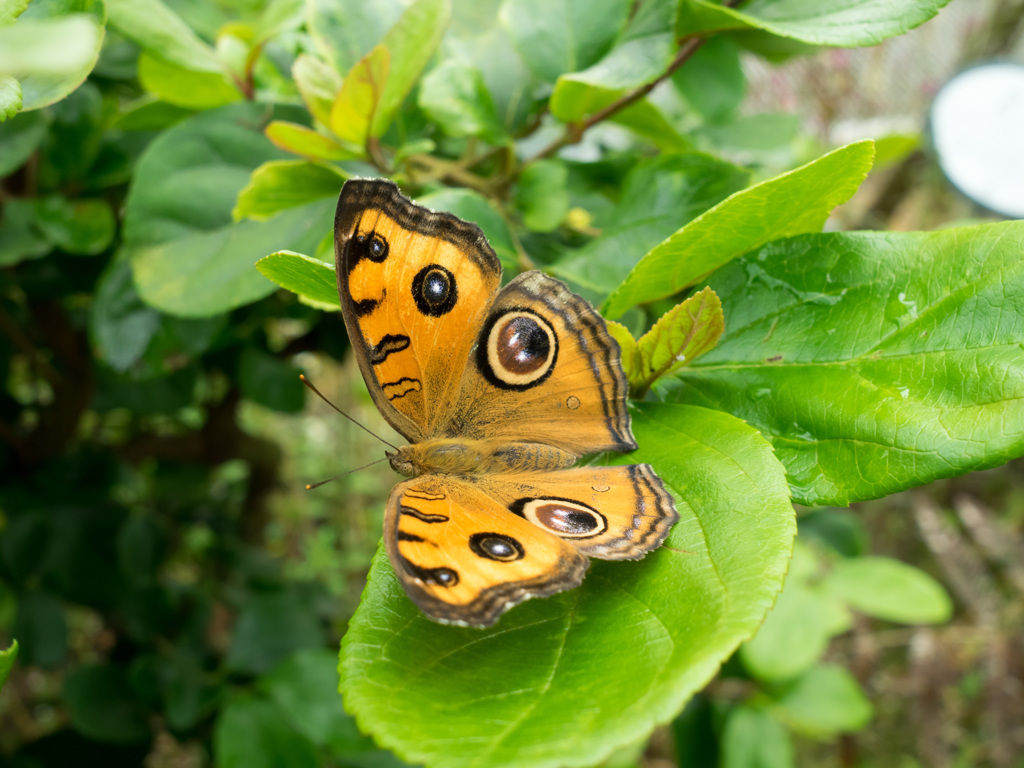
[7,658]
[252,732]
[889,589]
[796,202]
[844,23]
[873,362]
[558,36]
[658,197]
[566,680]
[313,280]
[281,184]
[186,88]
[187,255]
[346,30]
[161,32]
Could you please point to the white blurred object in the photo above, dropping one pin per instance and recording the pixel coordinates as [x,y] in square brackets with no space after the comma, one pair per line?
[977,125]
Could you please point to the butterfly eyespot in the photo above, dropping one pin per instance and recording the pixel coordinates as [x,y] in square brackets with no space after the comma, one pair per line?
[519,349]
[572,402]
[371,246]
[446,577]
[496,546]
[563,517]
[434,290]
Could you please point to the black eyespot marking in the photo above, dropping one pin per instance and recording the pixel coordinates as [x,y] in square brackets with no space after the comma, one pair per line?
[434,290]
[567,518]
[367,306]
[435,577]
[368,245]
[496,546]
[517,349]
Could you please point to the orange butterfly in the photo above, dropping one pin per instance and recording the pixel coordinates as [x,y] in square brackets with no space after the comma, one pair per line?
[499,392]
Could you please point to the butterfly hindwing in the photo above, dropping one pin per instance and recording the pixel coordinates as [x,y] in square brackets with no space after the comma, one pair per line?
[411,282]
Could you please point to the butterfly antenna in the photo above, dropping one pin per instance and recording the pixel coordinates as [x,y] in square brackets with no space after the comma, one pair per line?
[318,394]
[311,486]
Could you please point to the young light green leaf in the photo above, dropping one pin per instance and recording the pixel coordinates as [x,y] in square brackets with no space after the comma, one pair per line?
[474,207]
[455,97]
[691,601]
[313,280]
[563,36]
[681,335]
[162,33]
[300,140]
[10,10]
[846,24]
[795,202]
[7,658]
[658,197]
[10,98]
[752,738]
[873,362]
[318,83]
[360,96]
[824,701]
[627,346]
[889,589]
[280,184]
[412,41]
[185,87]
[542,196]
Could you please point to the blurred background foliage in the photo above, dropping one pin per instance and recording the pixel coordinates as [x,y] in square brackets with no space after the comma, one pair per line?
[178,599]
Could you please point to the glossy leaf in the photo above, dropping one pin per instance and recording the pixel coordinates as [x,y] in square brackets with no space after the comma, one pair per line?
[412,41]
[542,196]
[658,197]
[311,279]
[300,140]
[824,701]
[455,96]
[353,110]
[889,589]
[184,87]
[188,257]
[161,32]
[565,35]
[850,23]
[795,202]
[681,611]
[252,732]
[873,362]
[752,738]
[281,184]
[7,658]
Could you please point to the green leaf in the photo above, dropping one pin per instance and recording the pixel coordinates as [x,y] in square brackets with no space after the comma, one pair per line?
[280,184]
[412,41]
[353,110]
[313,280]
[824,701]
[346,30]
[83,227]
[148,113]
[10,10]
[270,382]
[318,83]
[161,32]
[752,738]
[750,135]
[300,140]
[846,24]
[120,325]
[586,685]
[20,238]
[185,87]
[102,705]
[252,732]
[542,196]
[681,335]
[455,96]
[565,35]
[889,589]
[40,627]
[7,662]
[271,626]
[712,82]
[187,255]
[795,202]
[52,48]
[658,197]
[474,207]
[794,635]
[10,99]
[873,362]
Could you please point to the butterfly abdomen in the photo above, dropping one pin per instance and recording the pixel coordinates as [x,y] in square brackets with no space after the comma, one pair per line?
[455,456]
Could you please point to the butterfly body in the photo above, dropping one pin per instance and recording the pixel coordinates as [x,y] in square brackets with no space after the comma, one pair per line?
[499,391]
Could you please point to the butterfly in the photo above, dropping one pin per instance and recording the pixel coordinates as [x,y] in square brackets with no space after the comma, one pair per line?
[499,392]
